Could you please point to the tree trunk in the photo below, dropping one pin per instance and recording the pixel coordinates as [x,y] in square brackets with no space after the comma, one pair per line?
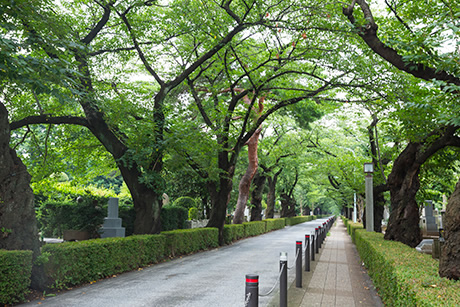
[220,193]
[287,205]
[449,262]
[270,211]
[403,181]
[306,210]
[245,182]
[256,196]
[18,224]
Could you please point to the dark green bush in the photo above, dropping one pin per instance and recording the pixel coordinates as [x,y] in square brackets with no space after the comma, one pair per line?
[173,217]
[73,263]
[186,202]
[274,224]
[55,217]
[186,241]
[254,228]
[233,232]
[403,276]
[291,221]
[15,271]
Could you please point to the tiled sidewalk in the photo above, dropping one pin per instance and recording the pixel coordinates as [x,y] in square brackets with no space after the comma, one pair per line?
[337,277]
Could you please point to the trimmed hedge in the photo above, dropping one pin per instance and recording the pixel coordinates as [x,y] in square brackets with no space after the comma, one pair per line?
[74,263]
[254,228]
[174,217]
[274,224]
[351,229]
[291,221]
[15,271]
[233,232]
[403,276]
[186,241]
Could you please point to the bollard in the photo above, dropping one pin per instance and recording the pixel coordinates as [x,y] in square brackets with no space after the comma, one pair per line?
[252,291]
[298,264]
[313,239]
[318,240]
[283,279]
[307,253]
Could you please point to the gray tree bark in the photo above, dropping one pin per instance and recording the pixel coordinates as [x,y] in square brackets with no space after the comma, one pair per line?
[449,262]
[18,224]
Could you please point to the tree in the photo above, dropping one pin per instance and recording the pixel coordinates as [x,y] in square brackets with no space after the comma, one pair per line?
[449,262]
[414,49]
[17,202]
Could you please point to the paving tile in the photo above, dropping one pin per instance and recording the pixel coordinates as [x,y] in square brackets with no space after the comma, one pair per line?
[338,278]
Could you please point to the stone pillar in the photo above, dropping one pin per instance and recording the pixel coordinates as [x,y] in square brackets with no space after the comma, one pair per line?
[369,204]
[112,223]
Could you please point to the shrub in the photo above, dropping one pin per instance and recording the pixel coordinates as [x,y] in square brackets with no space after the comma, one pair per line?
[186,241]
[254,228]
[233,232]
[351,228]
[173,217]
[404,276]
[73,263]
[185,201]
[274,224]
[56,216]
[193,213]
[291,221]
[15,271]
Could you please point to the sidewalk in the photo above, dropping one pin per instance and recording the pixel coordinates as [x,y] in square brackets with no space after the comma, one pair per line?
[337,278]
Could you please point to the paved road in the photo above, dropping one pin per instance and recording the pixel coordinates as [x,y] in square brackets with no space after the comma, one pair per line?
[211,278]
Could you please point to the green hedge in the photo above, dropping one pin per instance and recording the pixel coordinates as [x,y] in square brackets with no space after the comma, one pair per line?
[15,271]
[351,229]
[291,221]
[73,263]
[403,276]
[274,224]
[233,232]
[186,241]
[173,217]
[254,228]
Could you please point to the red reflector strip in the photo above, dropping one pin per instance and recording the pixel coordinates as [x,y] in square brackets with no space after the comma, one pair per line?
[252,280]
[299,243]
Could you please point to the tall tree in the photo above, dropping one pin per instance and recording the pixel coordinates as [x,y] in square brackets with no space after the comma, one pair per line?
[414,45]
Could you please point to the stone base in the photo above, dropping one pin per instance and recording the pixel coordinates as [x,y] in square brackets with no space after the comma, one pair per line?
[107,232]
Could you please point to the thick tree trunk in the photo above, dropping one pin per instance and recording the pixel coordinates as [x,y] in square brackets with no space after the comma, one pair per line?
[245,182]
[306,210]
[403,181]
[18,224]
[220,193]
[449,262]
[287,205]
[271,196]
[256,196]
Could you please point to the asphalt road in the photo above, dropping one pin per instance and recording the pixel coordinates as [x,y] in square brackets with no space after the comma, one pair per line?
[211,278]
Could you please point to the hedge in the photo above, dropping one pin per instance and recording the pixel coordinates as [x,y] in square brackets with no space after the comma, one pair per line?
[186,241]
[351,229]
[254,228]
[15,271]
[74,263]
[274,224]
[403,276]
[233,232]
[291,221]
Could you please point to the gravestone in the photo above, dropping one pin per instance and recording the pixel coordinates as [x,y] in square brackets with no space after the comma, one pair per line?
[112,223]
[430,219]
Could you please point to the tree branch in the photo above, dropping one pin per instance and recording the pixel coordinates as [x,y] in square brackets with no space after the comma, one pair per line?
[47,119]
[368,33]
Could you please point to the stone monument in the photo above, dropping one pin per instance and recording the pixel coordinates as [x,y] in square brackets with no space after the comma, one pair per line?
[112,223]
[430,219]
